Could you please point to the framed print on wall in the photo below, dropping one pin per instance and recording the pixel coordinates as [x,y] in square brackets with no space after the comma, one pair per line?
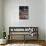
[23,12]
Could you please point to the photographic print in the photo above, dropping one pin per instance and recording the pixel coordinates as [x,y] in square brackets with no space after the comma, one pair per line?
[23,12]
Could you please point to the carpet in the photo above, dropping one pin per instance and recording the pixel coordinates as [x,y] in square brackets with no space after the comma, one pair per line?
[23,45]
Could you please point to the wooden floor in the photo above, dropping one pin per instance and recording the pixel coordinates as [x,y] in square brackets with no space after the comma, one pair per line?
[40,42]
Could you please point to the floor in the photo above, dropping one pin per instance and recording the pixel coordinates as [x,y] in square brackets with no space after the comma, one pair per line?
[25,43]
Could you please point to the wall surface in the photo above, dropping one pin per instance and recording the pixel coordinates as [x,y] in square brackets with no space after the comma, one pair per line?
[0,18]
[36,15]
[45,19]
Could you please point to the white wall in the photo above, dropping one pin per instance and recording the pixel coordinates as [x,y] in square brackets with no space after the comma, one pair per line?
[36,15]
[45,19]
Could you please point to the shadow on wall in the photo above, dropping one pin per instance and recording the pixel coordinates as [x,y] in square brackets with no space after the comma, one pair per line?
[1,34]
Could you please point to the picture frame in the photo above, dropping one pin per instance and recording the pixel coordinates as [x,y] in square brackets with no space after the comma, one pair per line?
[23,12]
